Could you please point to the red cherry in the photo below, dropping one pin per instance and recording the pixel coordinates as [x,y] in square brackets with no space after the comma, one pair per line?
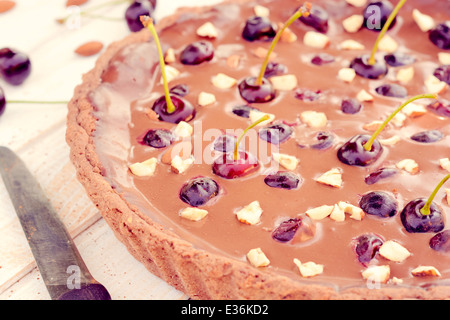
[228,167]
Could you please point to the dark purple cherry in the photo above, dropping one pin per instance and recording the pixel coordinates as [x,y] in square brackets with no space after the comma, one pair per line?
[274,69]
[258,28]
[398,59]
[440,35]
[2,101]
[286,230]
[180,90]
[380,174]
[351,106]
[225,143]
[353,152]
[318,19]
[307,94]
[364,69]
[198,191]
[15,66]
[322,58]
[135,10]
[428,136]
[441,108]
[415,222]
[243,110]
[283,180]
[376,14]
[443,73]
[251,92]
[379,203]
[184,111]
[392,90]
[441,241]
[228,167]
[158,138]
[325,140]
[197,53]
[276,133]
[367,246]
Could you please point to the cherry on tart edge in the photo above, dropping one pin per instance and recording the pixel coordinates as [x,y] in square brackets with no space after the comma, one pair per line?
[169,108]
[259,89]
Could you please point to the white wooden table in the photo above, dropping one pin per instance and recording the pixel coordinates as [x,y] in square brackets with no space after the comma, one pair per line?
[36,132]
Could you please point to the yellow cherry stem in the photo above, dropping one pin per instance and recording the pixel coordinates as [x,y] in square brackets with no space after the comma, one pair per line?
[148,23]
[425,210]
[302,11]
[384,29]
[368,144]
[236,147]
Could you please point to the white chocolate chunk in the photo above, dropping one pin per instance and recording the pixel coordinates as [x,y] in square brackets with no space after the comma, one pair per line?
[393,251]
[377,274]
[434,85]
[405,75]
[425,22]
[353,23]
[250,214]
[207,30]
[206,99]
[223,81]
[287,161]
[285,82]
[180,165]
[145,168]
[409,165]
[347,74]
[314,119]
[308,269]
[351,44]
[425,271]
[257,258]
[183,129]
[320,212]
[332,178]
[193,214]
[316,40]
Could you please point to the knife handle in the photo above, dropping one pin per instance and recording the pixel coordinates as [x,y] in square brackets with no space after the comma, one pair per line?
[93,291]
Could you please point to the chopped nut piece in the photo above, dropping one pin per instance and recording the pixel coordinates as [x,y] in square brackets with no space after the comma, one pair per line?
[261,11]
[183,129]
[261,52]
[409,165]
[193,214]
[205,98]
[425,271]
[377,274]
[399,119]
[285,82]
[320,213]
[182,149]
[363,95]
[233,61]
[390,141]
[316,40]
[308,269]
[414,110]
[434,85]
[207,30]
[250,214]
[425,22]
[222,81]
[257,258]
[353,23]
[393,251]
[338,214]
[351,45]
[388,44]
[180,165]
[287,161]
[444,57]
[447,192]
[169,57]
[332,178]
[372,126]
[355,212]
[171,73]
[288,35]
[445,163]
[314,119]
[396,280]
[405,75]
[347,74]
[145,168]
[255,115]
[357,3]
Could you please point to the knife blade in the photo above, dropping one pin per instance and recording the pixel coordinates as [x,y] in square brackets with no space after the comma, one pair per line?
[63,270]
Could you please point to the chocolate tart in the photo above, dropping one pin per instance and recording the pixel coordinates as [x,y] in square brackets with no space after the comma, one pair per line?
[110,113]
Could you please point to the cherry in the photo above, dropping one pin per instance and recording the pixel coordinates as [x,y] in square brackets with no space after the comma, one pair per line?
[367,246]
[376,14]
[283,180]
[275,133]
[392,90]
[364,69]
[274,69]
[287,229]
[197,52]
[225,143]
[307,94]
[428,136]
[354,153]
[2,101]
[198,191]
[326,140]
[318,19]
[398,59]
[15,66]
[158,138]
[379,174]
[350,106]
[441,108]
[440,35]
[180,90]
[170,108]
[441,241]
[379,203]
[243,110]
[258,28]
[322,58]
[443,73]
[416,222]
[136,9]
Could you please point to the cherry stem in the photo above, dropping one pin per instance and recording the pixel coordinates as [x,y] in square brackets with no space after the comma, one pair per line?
[384,29]
[368,144]
[275,40]
[148,23]
[236,147]
[425,210]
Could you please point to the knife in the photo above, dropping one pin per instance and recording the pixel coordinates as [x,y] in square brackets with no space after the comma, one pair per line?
[59,262]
